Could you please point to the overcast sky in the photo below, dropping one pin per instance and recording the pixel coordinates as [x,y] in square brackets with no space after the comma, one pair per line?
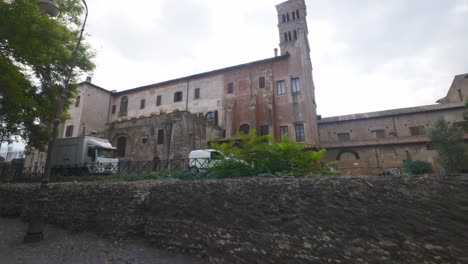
[367,55]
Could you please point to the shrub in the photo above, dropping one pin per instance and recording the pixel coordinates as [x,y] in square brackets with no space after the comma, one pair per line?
[266,156]
[229,168]
[415,167]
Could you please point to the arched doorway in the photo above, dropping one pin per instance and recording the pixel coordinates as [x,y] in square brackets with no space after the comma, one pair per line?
[121,146]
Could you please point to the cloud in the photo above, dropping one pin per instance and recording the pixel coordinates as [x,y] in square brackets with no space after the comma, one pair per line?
[168,35]
[396,53]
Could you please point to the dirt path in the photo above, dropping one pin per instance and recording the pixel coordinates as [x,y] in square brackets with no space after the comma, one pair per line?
[60,246]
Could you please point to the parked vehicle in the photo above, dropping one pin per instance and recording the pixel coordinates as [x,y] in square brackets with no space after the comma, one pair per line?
[204,158]
[83,155]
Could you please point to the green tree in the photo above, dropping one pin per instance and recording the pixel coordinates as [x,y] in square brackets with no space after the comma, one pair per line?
[265,155]
[35,59]
[448,142]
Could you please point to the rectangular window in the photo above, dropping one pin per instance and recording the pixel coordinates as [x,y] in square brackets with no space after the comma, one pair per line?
[280,87]
[114,109]
[77,102]
[69,131]
[296,85]
[300,136]
[160,136]
[230,88]
[177,96]
[261,82]
[379,133]
[343,137]
[144,139]
[197,93]
[283,131]
[142,104]
[264,130]
[417,131]
[158,100]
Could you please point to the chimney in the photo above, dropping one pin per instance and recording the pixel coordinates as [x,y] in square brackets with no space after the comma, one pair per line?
[88,79]
[276,52]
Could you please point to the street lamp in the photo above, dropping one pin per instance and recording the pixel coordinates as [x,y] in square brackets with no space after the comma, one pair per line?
[36,224]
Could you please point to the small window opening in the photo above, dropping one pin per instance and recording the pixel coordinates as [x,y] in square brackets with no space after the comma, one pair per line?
[300,135]
[158,100]
[230,88]
[177,96]
[264,130]
[343,137]
[69,131]
[77,103]
[197,93]
[160,136]
[142,103]
[283,131]
[280,88]
[296,85]
[261,82]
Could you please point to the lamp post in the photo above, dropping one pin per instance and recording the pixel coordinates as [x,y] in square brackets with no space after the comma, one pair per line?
[36,224]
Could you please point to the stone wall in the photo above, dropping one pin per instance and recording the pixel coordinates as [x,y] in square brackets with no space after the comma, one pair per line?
[319,220]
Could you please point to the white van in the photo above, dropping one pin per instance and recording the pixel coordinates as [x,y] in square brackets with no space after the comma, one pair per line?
[204,159]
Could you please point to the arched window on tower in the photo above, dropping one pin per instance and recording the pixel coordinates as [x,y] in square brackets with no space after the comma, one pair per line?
[289,35]
[287,16]
[284,18]
[123,106]
[294,15]
[295,34]
[244,129]
[297,13]
[285,36]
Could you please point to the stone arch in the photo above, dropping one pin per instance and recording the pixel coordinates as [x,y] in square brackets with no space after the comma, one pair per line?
[347,154]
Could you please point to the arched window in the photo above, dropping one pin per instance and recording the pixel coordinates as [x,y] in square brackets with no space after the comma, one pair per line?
[244,129]
[284,18]
[123,106]
[121,146]
[287,17]
[295,34]
[210,116]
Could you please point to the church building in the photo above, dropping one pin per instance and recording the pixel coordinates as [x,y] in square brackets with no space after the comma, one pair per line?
[274,96]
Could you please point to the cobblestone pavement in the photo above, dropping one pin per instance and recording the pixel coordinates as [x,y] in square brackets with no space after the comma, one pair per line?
[60,246]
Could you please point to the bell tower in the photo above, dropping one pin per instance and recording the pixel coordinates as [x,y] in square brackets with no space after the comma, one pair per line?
[293,34]
[292,25]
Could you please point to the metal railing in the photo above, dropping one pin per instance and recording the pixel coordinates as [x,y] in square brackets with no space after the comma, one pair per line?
[17,172]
